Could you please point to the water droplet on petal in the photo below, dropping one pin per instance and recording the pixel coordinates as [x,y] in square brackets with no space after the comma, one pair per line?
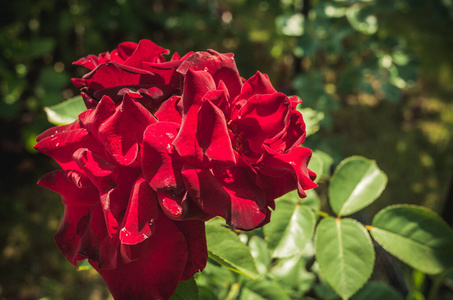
[169,149]
[169,135]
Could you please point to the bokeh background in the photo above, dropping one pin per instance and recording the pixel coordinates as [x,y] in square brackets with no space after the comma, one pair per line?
[377,73]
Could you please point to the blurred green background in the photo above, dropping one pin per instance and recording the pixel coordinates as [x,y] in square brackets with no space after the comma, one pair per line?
[379,73]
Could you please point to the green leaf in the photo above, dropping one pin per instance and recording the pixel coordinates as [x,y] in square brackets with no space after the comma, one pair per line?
[291,273]
[312,200]
[266,289]
[84,265]
[325,292]
[415,235]
[355,184]
[258,249]
[226,248]
[247,294]
[312,118]
[187,290]
[316,164]
[291,228]
[345,254]
[377,291]
[65,112]
[327,162]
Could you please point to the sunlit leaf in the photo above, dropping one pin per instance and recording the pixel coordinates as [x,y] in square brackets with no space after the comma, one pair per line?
[345,254]
[65,112]
[258,249]
[84,265]
[291,228]
[291,273]
[226,248]
[316,165]
[355,184]
[266,289]
[415,235]
[312,119]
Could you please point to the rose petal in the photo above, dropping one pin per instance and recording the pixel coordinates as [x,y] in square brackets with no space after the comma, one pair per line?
[117,75]
[294,162]
[170,110]
[57,129]
[145,51]
[238,200]
[196,85]
[261,118]
[195,235]
[255,85]
[122,133]
[100,172]
[212,134]
[222,67]
[157,271]
[61,145]
[78,195]
[140,215]
[180,207]
[161,165]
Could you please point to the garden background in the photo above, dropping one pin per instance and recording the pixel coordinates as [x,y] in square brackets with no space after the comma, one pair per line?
[378,75]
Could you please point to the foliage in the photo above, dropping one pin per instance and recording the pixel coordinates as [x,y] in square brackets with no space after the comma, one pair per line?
[272,263]
[382,90]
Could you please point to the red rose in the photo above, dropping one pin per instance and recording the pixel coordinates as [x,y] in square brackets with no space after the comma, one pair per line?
[162,147]
[131,68]
[234,151]
[112,216]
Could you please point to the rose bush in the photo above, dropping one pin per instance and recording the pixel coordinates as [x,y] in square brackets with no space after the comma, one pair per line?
[162,147]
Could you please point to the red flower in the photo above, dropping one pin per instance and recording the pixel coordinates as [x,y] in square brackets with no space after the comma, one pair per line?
[140,69]
[235,151]
[112,216]
[162,147]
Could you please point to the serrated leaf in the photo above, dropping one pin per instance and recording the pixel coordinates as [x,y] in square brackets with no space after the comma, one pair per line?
[226,248]
[345,254]
[65,112]
[291,228]
[355,184]
[187,290]
[415,235]
[377,291]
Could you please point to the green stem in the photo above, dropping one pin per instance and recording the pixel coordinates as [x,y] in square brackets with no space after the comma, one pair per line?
[234,291]
[321,213]
[438,281]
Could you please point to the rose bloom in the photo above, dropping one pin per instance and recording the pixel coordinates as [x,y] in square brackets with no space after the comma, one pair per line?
[162,147]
